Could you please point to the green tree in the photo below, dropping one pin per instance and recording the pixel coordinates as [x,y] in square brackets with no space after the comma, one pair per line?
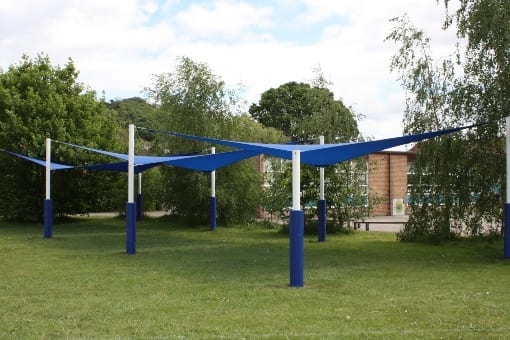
[304,112]
[38,100]
[193,100]
[458,181]
[346,192]
[244,128]
[136,111]
[277,188]
[139,112]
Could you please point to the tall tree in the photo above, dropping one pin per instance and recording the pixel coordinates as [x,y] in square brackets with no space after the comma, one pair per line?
[304,112]
[194,100]
[458,181]
[136,111]
[139,112]
[39,100]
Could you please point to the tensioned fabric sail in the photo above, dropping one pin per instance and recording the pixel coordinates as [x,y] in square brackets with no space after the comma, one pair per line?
[108,153]
[317,154]
[53,166]
[211,162]
[119,167]
[142,163]
[323,154]
[205,163]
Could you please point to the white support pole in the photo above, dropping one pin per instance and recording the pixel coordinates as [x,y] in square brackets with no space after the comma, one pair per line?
[296,180]
[321,204]
[131,205]
[48,204]
[321,174]
[139,183]
[212,199]
[213,177]
[48,168]
[131,164]
[296,226]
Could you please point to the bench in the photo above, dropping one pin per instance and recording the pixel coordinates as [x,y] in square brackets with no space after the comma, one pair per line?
[357,224]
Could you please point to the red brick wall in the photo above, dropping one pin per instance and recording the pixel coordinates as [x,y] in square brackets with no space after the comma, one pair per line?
[387,179]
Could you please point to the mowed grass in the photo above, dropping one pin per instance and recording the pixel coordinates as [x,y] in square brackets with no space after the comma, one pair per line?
[233,283]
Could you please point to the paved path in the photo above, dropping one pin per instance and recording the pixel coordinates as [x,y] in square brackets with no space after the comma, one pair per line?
[114,214]
[388,226]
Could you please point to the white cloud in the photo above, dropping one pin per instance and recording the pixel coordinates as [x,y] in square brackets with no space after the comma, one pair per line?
[320,10]
[224,18]
[117,45]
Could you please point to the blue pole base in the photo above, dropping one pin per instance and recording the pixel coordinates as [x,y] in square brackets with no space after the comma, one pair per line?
[139,207]
[131,228]
[48,218]
[212,213]
[506,241]
[321,216]
[296,247]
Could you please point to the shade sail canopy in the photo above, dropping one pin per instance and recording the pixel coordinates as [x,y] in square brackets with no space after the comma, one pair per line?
[53,166]
[205,163]
[119,167]
[317,154]
[103,152]
[191,161]
[211,162]
[324,154]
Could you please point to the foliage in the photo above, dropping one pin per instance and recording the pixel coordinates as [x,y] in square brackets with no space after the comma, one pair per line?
[346,193]
[139,112]
[458,181]
[243,191]
[245,128]
[135,111]
[152,190]
[37,101]
[304,112]
[193,100]
[277,188]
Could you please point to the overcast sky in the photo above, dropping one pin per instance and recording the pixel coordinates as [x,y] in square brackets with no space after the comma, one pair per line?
[117,45]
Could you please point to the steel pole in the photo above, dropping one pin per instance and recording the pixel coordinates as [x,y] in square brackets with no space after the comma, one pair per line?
[131,205]
[296,226]
[321,204]
[48,203]
[212,200]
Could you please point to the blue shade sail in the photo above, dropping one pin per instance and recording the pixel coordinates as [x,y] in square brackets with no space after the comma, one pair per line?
[53,166]
[317,154]
[205,163]
[324,154]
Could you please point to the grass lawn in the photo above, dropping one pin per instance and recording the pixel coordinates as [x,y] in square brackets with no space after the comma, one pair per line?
[232,283]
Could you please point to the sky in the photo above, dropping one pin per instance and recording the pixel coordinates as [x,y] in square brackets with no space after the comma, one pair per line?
[119,45]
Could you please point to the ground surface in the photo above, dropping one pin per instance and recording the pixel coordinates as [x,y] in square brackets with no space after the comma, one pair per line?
[233,283]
